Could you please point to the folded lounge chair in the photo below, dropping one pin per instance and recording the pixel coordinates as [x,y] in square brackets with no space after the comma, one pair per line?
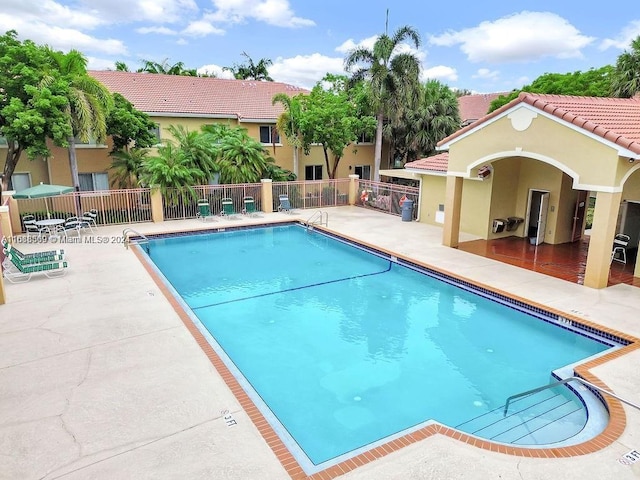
[204,211]
[250,207]
[285,204]
[228,209]
[19,272]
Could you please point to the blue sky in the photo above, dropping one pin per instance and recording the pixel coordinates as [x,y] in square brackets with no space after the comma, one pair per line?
[489,46]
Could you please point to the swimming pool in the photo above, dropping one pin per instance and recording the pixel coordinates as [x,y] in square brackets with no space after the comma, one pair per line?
[345,347]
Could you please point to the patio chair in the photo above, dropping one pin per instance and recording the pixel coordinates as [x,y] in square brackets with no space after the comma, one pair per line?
[89,219]
[228,210]
[619,251]
[204,211]
[285,204]
[71,224]
[30,227]
[19,272]
[29,258]
[250,207]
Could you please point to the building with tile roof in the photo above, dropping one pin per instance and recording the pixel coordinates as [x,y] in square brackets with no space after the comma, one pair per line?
[528,169]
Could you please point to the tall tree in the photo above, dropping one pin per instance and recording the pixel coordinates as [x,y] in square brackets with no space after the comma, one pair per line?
[241,159]
[129,126]
[288,124]
[198,149]
[625,81]
[329,117]
[126,167]
[250,70]
[88,104]
[393,78]
[433,118]
[30,112]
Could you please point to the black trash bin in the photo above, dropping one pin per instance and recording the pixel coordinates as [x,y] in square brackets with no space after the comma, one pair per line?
[407,210]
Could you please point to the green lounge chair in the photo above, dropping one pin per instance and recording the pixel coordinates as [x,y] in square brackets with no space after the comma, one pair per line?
[285,204]
[20,273]
[250,207]
[204,211]
[28,258]
[228,210]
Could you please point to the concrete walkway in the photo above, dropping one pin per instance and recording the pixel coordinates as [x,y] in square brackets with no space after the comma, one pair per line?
[99,378]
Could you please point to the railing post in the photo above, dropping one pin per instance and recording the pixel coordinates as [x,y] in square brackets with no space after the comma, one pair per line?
[267,195]
[353,188]
[157,208]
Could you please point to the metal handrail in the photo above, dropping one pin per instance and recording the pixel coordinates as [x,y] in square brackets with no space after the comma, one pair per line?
[127,239]
[562,382]
[322,219]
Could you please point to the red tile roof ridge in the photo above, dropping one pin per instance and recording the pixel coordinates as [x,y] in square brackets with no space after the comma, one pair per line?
[435,163]
[560,106]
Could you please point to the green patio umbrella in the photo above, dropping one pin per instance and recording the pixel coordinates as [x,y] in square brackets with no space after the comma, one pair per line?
[45,191]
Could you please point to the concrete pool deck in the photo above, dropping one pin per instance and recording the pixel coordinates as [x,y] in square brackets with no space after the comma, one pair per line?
[100,379]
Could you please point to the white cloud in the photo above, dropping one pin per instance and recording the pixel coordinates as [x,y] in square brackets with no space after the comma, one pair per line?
[522,36]
[60,38]
[156,30]
[215,69]
[272,12]
[52,13]
[349,45]
[440,72]
[624,39]
[305,70]
[201,28]
[486,74]
[158,11]
[94,63]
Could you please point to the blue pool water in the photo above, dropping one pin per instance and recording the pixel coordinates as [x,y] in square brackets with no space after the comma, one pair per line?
[346,347]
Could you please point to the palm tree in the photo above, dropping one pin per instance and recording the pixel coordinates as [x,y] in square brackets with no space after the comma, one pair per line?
[164,68]
[89,103]
[393,78]
[241,159]
[198,148]
[172,171]
[626,76]
[121,67]
[288,124]
[126,166]
[251,70]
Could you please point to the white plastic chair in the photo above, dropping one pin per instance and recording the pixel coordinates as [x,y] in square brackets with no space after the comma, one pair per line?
[619,252]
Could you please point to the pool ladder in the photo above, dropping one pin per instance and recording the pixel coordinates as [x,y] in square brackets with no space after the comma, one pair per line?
[318,218]
[127,233]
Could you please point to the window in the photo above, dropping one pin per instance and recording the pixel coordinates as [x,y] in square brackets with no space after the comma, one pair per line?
[313,172]
[156,131]
[365,138]
[363,171]
[3,141]
[269,134]
[90,182]
[20,181]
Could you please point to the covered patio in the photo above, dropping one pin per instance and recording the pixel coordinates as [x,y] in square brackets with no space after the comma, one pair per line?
[566,261]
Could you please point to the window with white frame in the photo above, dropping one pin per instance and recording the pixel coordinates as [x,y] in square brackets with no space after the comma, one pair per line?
[313,172]
[90,182]
[363,171]
[365,138]
[20,181]
[269,134]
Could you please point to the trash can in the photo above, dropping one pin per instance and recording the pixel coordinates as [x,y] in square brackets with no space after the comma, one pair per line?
[407,210]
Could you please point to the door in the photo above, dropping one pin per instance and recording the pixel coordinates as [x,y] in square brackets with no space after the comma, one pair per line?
[578,216]
[542,218]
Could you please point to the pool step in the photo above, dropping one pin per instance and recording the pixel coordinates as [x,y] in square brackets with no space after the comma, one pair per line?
[543,418]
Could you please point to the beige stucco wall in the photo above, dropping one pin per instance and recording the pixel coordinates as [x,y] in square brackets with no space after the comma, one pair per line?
[431,197]
[37,167]
[592,161]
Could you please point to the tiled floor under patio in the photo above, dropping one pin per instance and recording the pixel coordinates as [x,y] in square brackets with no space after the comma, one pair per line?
[566,261]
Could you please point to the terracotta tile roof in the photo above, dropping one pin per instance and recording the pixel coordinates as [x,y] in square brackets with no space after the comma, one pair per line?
[473,107]
[197,96]
[613,119]
[434,163]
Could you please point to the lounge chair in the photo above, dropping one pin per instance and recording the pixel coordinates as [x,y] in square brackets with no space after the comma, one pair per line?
[204,211]
[19,272]
[285,204]
[30,258]
[250,207]
[228,210]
